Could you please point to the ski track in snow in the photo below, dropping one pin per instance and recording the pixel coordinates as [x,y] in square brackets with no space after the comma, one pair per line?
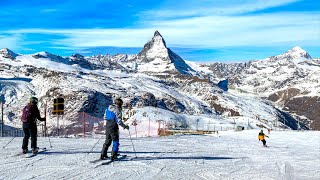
[233,155]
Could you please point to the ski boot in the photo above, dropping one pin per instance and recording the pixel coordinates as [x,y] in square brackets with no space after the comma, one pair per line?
[102,157]
[35,150]
[24,151]
[114,156]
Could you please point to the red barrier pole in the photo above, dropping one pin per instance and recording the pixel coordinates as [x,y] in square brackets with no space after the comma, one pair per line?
[135,128]
[45,122]
[83,125]
[159,128]
[166,128]
[149,128]
[58,125]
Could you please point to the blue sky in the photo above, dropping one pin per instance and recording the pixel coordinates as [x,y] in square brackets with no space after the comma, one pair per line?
[199,30]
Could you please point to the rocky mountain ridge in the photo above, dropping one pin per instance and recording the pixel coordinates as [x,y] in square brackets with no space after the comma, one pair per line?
[155,77]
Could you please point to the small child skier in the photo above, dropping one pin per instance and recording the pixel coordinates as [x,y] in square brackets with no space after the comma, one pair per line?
[261,137]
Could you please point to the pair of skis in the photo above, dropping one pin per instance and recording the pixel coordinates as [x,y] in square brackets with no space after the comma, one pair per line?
[30,155]
[35,153]
[108,161]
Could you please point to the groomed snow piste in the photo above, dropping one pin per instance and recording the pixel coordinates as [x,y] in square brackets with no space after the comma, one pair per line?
[228,155]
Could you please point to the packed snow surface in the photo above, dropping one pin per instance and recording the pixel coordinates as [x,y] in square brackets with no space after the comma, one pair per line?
[228,155]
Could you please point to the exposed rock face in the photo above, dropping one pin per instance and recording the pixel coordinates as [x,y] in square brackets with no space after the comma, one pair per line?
[222,70]
[282,97]
[307,108]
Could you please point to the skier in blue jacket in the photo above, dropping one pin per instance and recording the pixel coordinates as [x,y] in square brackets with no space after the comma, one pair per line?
[113,118]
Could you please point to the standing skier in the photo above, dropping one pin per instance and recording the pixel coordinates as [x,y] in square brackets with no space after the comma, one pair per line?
[261,137]
[29,118]
[113,118]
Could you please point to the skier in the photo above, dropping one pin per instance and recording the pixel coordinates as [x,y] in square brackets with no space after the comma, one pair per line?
[29,118]
[261,138]
[113,118]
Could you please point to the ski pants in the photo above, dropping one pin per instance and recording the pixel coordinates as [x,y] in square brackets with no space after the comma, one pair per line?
[264,142]
[27,133]
[112,135]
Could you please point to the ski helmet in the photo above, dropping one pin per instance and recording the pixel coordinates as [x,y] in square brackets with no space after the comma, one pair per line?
[33,100]
[118,102]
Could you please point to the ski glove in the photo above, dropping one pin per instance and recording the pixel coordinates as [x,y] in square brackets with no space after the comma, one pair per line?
[127,127]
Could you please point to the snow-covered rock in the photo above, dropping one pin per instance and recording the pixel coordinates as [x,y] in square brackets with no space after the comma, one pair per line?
[155,57]
[282,79]
[7,53]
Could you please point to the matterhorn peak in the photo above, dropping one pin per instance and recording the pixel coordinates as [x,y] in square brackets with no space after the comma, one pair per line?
[158,40]
[7,53]
[155,48]
[157,33]
[159,58]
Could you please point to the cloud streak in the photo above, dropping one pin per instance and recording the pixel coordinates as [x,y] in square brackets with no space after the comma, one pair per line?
[213,7]
[208,31]
[11,41]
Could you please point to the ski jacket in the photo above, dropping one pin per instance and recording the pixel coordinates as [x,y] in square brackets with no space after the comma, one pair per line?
[114,113]
[261,136]
[35,114]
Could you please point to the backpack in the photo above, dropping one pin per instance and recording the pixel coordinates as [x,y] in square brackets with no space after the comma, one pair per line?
[26,114]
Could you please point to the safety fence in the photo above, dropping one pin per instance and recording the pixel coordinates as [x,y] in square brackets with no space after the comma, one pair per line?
[86,125]
[94,125]
[12,133]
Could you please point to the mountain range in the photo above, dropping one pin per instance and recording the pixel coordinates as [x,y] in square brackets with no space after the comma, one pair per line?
[277,92]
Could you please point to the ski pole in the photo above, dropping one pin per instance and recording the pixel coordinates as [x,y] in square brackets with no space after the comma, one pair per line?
[8,142]
[94,146]
[132,144]
[49,141]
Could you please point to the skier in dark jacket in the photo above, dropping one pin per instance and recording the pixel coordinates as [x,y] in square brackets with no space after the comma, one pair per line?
[30,127]
[261,137]
[113,118]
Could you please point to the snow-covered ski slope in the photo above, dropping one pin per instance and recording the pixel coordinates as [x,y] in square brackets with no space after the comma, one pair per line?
[229,155]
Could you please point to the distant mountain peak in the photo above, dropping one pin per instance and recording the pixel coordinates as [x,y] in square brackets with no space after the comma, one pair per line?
[7,53]
[294,53]
[77,56]
[297,48]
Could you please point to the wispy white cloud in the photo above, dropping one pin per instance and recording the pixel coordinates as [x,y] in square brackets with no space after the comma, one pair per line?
[12,41]
[212,7]
[208,31]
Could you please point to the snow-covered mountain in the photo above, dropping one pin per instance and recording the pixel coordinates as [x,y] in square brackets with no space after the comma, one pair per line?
[290,80]
[176,91]
[7,53]
[294,53]
[155,57]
